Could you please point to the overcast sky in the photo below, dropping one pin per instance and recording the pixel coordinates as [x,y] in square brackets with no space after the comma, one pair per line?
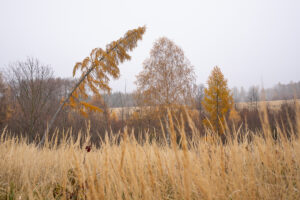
[254,42]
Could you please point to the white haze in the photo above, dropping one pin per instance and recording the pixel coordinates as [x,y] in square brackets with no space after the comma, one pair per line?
[254,42]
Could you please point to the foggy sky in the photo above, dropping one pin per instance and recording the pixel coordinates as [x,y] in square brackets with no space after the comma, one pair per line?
[255,42]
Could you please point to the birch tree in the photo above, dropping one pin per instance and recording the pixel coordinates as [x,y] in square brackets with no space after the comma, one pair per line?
[167,77]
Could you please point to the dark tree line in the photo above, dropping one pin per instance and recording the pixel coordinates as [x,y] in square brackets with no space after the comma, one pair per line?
[30,94]
[252,95]
[278,92]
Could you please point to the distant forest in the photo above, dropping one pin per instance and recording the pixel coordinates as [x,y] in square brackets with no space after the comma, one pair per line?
[254,93]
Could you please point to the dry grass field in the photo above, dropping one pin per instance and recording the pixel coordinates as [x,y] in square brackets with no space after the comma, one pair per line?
[274,105]
[203,168]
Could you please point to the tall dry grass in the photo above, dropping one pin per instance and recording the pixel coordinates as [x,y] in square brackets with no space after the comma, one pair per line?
[203,168]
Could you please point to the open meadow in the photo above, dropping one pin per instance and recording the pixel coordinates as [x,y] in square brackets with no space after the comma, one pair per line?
[273,105]
[247,166]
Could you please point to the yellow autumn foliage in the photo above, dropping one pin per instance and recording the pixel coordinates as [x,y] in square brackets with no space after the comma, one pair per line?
[114,116]
[217,101]
[99,66]
[234,116]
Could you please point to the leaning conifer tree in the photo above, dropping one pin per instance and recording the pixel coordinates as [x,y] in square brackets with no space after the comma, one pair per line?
[95,71]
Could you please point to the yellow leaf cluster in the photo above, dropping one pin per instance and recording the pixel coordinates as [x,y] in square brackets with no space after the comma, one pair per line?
[217,101]
[234,116]
[114,116]
[99,66]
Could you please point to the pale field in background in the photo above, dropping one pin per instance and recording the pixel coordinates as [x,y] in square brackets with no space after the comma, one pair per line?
[273,105]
